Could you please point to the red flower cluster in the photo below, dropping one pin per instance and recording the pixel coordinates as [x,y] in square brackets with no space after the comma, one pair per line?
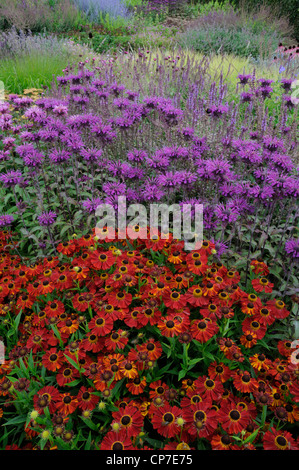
[105,331]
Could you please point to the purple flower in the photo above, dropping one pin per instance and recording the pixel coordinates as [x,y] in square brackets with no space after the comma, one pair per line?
[103,132]
[286,83]
[6,219]
[264,91]
[90,205]
[244,79]
[11,178]
[138,156]
[220,247]
[246,96]
[217,111]
[47,218]
[226,213]
[265,82]
[59,156]
[289,101]
[114,189]
[91,154]
[292,247]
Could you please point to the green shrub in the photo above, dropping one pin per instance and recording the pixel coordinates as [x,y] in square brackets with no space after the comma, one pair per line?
[285,8]
[241,42]
[40,15]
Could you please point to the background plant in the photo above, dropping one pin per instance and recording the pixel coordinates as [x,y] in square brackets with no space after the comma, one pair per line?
[38,15]
[30,61]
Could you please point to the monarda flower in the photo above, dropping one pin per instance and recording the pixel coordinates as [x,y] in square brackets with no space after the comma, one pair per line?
[292,247]
[6,219]
[11,179]
[47,218]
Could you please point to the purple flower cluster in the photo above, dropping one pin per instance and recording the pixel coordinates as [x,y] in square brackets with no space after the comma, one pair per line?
[93,139]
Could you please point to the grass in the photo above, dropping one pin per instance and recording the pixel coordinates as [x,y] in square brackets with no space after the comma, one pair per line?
[36,67]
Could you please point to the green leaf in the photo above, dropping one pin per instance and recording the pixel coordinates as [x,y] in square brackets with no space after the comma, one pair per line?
[88,442]
[72,362]
[182,374]
[251,437]
[90,423]
[16,420]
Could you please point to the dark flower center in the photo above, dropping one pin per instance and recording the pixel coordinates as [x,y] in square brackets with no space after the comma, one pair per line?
[125,420]
[234,415]
[281,441]
[168,417]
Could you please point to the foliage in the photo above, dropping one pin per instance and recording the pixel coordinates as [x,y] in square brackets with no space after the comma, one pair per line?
[40,15]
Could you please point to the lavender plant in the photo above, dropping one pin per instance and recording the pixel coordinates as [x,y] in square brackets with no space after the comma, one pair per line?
[95,137]
[94,8]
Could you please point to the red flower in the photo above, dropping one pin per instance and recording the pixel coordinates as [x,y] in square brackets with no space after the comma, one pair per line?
[116,441]
[119,299]
[203,330]
[66,375]
[53,359]
[262,285]
[194,296]
[219,371]
[86,399]
[67,404]
[101,325]
[253,325]
[174,300]
[201,421]
[278,309]
[259,267]
[168,420]
[130,420]
[233,419]
[117,339]
[207,387]
[47,396]
[136,385]
[279,440]
[244,382]
[102,260]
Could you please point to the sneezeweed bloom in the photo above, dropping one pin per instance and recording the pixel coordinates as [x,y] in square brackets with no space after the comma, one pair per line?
[130,420]
[116,441]
[233,419]
[262,285]
[165,420]
[279,440]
